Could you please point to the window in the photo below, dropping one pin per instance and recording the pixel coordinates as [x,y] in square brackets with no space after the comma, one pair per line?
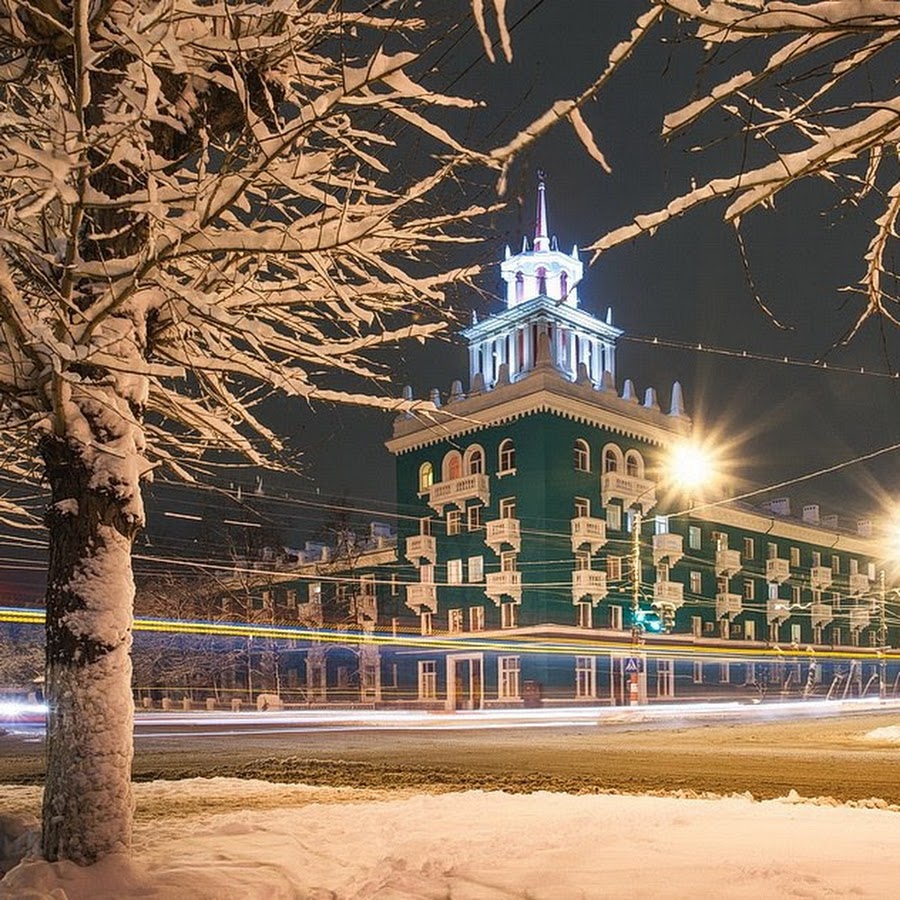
[367,585]
[508,560]
[698,672]
[796,595]
[724,673]
[508,508]
[507,455]
[476,568]
[720,540]
[509,616]
[634,464]
[795,556]
[749,548]
[836,564]
[454,522]
[454,621]
[773,590]
[582,507]
[854,567]
[563,285]
[749,630]
[661,525]
[584,615]
[585,676]
[614,518]
[454,571]
[771,551]
[473,518]
[452,466]
[474,460]
[508,677]
[476,618]
[696,583]
[697,627]
[425,526]
[816,558]
[837,637]
[616,617]
[582,560]
[773,632]
[614,568]
[796,633]
[520,287]
[749,589]
[610,460]
[542,281]
[426,622]
[582,456]
[695,537]
[426,476]
[665,678]
[314,592]
[290,599]
[427,679]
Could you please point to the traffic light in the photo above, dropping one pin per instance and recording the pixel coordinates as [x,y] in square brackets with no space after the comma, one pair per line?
[647,620]
[665,613]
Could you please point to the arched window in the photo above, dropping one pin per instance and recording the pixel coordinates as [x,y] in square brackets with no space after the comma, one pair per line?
[634,464]
[563,285]
[610,460]
[542,281]
[426,476]
[582,456]
[474,460]
[520,287]
[452,466]
[507,455]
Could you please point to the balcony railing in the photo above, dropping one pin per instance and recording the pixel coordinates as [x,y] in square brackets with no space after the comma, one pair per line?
[503,584]
[630,489]
[821,614]
[669,592]
[728,563]
[419,547]
[588,583]
[859,583]
[503,531]
[667,546]
[422,594]
[778,570]
[587,530]
[728,605]
[859,618]
[458,490]
[777,610]
[820,578]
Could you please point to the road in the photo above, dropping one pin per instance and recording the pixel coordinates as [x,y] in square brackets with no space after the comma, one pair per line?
[767,751]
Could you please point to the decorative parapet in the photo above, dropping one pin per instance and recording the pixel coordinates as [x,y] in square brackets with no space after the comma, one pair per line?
[820,578]
[777,610]
[503,531]
[588,583]
[421,594]
[728,605]
[630,489]
[587,530]
[667,546]
[458,490]
[778,570]
[419,547]
[821,614]
[670,593]
[859,618]
[859,584]
[503,584]
[728,563]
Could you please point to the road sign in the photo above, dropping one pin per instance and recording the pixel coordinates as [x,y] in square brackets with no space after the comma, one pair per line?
[632,665]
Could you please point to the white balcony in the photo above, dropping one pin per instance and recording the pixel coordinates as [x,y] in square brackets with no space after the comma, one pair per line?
[820,578]
[588,583]
[728,563]
[503,584]
[671,593]
[859,584]
[458,491]
[419,547]
[667,546]
[778,610]
[821,614]
[728,605]
[502,532]
[586,530]
[421,594]
[778,570]
[859,618]
[630,489]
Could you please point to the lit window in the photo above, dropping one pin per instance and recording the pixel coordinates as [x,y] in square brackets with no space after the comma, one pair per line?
[476,568]
[452,466]
[507,455]
[454,571]
[694,537]
[582,456]
[426,476]
[508,677]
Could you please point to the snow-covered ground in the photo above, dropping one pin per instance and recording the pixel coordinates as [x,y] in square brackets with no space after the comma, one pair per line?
[223,838]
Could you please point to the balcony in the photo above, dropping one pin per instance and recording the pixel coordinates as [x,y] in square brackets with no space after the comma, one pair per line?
[422,594]
[588,583]
[859,618]
[728,605]
[859,584]
[671,593]
[364,607]
[820,578]
[419,547]
[503,531]
[821,614]
[310,615]
[503,584]
[667,546]
[777,610]
[778,570]
[586,530]
[728,563]
[458,491]
[630,489]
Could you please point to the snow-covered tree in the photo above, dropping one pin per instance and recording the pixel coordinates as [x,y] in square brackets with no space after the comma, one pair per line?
[201,204]
[812,86]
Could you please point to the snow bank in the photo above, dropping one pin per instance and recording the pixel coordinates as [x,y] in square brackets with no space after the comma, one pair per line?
[290,841]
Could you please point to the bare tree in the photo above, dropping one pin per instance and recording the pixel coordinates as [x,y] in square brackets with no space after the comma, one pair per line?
[200,205]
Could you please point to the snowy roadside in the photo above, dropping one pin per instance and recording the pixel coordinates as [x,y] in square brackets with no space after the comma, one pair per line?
[223,838]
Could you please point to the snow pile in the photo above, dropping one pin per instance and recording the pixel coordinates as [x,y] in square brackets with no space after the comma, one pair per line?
[289,841]
[890,734]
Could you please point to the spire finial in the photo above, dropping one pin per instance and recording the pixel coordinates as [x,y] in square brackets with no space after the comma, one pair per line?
[541,240]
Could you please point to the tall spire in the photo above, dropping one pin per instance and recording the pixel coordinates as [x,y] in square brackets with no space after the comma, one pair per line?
[541,240]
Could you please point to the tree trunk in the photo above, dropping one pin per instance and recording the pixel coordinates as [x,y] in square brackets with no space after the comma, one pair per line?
[88,800]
